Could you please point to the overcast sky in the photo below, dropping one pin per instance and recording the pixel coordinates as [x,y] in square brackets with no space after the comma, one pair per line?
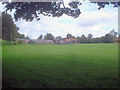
[91,20]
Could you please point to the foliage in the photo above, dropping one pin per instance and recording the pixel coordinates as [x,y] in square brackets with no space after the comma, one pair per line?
[21,36]
[82,39]
[69,36]
[6,43]
[90,36]
[31,10]
[26,37]
[40,37]
[20,41]
[9,29]
[108,38]
[58,38]
[113,33]
[49,36]
[102,4]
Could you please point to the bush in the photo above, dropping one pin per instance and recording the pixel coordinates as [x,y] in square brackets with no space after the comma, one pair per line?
[4,42]
[20,42]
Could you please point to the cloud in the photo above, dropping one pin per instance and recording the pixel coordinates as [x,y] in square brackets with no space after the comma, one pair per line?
[91,20]
[95,22]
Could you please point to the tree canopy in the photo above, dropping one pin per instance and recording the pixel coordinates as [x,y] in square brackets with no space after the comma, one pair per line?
[69,36]
[9,28]
[49,36]
[31,10]
[40,37]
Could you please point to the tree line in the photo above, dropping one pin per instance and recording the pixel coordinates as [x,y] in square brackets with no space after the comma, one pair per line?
[107,38]
[10,32]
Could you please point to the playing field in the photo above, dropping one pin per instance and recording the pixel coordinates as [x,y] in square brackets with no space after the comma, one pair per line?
[63,66]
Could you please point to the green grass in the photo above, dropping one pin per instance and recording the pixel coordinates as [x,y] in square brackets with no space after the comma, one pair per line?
[4,42]
[60,66]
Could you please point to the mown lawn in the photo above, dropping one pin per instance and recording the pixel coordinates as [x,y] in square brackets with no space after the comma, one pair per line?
[60,66]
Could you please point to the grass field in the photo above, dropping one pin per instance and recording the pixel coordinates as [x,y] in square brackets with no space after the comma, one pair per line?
[60,66]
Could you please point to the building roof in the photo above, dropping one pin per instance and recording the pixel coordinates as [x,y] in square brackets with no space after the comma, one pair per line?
[21,39]
[41,40]
[70,39]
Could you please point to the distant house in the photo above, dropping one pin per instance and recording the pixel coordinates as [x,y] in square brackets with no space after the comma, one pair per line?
[59,41]
[36,41]
[22,39]
[41,41]
[70,40]
[116,40]
[66,41]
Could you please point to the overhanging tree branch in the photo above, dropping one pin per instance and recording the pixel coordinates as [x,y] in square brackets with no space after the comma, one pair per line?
[31,10]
